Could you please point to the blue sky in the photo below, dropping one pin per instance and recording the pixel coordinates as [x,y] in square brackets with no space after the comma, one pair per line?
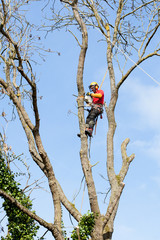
[137,117]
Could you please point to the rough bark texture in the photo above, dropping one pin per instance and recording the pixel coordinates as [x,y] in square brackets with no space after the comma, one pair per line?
[84,144]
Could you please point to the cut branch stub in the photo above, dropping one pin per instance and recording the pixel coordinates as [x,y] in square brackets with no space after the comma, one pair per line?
[126,159]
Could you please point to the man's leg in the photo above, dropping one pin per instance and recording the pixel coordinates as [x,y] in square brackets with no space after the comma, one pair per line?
[90,121]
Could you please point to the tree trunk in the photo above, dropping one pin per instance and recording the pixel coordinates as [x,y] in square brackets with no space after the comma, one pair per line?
[97,233]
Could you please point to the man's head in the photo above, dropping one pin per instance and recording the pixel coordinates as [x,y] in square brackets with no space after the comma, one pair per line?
[93,86]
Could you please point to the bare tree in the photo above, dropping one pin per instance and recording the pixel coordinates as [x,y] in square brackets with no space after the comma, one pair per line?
[17,74]
[128,28]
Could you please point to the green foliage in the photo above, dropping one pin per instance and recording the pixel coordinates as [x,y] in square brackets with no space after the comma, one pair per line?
[20,225]
[85,225]
[64,233]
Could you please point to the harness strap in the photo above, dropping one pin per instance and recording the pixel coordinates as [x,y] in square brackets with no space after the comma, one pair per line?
[98,107]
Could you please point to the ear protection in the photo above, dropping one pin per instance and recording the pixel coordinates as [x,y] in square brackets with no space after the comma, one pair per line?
[95,85]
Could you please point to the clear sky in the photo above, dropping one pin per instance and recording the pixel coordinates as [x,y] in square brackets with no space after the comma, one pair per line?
[137,117]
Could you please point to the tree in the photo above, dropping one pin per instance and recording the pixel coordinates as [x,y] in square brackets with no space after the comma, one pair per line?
[127,31]
[20,225]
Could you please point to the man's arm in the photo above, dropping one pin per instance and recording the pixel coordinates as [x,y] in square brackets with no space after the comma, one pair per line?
[96,95]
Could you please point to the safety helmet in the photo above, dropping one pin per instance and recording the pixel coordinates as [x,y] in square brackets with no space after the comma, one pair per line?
[95,84]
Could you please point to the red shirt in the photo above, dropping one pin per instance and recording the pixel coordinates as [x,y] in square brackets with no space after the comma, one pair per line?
[99,100]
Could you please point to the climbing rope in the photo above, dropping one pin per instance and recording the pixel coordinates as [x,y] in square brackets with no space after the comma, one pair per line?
[89,148]
[103,78]
[83,196]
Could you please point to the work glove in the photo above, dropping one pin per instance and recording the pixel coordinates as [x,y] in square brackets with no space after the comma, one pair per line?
[88,94]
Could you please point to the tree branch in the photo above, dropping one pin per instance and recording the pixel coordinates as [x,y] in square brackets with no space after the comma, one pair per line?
[136,64]
[143,5]
[126,160]
[84,145]
[149,39]
[52,227]
[112,204]
[119,11]
[14,98]
[68,205]
[20,67]
[109,59]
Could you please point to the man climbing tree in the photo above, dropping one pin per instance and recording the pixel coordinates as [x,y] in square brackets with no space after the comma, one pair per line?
[96,107]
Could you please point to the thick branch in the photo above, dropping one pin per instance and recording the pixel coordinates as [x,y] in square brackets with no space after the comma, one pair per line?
[98,18]
[110,137]
[14,98]
[113,203]
[136,64]
[149,39]
[35,107]
[53,228]
[68,205]
[5,12]
[42,153]
[50,175]
[36,157]
[119,11]
[20,67]
[32,148]
[84,145]
[109,59]
[126,159]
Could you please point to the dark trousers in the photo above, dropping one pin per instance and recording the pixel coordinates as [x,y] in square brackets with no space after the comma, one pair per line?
[92,116]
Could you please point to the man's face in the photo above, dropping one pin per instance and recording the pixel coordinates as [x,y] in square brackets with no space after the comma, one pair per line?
[93,89]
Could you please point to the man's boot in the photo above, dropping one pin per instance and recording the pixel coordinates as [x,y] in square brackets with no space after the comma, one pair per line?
[89,131]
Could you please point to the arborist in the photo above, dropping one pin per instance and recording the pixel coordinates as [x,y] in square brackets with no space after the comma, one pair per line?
[96,107]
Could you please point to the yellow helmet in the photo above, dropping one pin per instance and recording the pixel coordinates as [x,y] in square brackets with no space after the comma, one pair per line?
[95,84]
